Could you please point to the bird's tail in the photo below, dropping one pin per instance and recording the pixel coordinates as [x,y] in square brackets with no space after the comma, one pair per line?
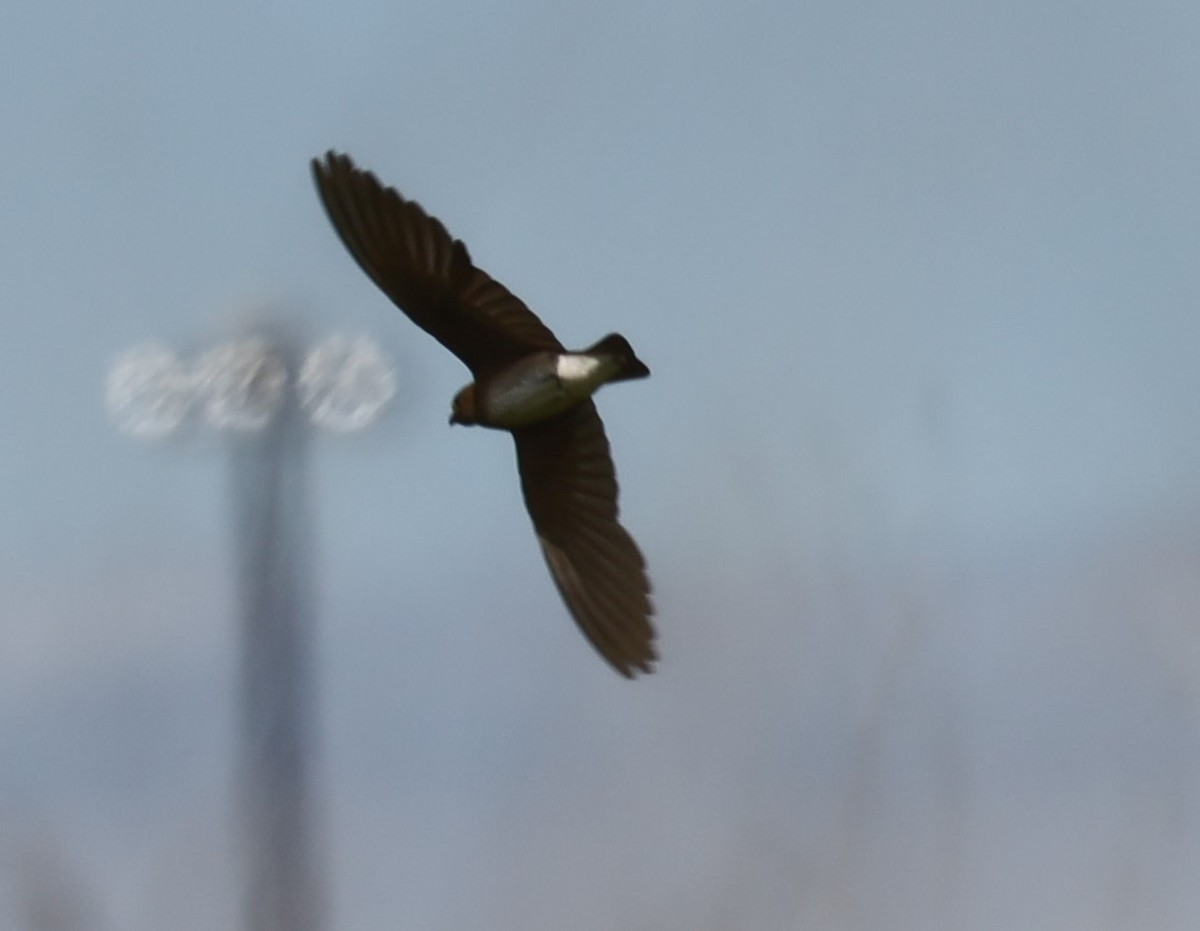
[617,347]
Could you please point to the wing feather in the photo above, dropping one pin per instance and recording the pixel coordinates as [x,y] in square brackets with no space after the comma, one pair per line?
[570,489]
[425,272]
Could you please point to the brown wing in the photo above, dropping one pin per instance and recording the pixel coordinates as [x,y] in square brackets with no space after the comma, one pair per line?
[425,272]
[570,489]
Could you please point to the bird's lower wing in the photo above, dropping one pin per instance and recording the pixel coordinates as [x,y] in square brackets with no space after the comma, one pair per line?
[570,489]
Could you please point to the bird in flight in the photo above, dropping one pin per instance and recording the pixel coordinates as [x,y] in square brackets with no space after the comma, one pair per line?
[527,383]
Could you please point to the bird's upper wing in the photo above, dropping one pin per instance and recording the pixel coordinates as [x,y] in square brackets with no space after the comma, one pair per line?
[570,489]
[425,272]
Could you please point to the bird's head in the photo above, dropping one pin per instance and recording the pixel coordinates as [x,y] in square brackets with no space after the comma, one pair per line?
[463,410]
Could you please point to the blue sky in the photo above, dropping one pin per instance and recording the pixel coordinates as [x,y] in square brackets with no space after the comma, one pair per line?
[915,473]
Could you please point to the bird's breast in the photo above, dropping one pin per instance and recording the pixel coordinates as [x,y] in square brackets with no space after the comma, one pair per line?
[538,387]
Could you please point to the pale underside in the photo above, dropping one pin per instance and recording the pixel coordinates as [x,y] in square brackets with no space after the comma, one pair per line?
[541,387]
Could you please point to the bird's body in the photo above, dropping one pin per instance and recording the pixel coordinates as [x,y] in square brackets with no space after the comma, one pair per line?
[543,385]
[526,383]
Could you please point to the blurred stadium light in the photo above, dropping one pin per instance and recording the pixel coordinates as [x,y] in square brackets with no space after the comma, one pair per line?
[263,393]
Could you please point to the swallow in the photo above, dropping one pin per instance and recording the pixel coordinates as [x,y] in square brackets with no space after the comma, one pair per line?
[525,382]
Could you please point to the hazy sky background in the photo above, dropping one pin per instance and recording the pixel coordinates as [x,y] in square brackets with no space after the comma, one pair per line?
[915,473]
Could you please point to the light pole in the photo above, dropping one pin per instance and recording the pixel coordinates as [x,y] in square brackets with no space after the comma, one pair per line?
[263,392]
